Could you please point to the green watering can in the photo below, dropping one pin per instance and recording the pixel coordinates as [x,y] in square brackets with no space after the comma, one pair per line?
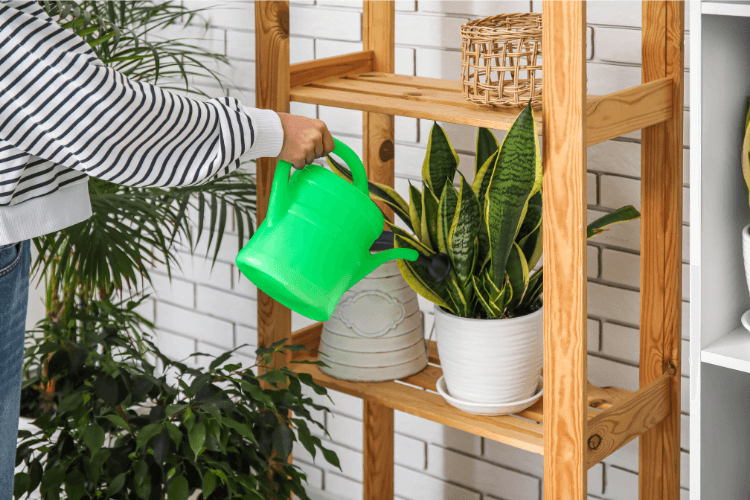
[314,243]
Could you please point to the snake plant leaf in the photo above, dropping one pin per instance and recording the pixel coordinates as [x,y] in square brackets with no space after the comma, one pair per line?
[378,192]
[623,214]
[487,146]
[446,211]
[532,247]
[533,291]
[441,161]
[746,149]
[483,176]
[483,299]
[518,275]
[428,229]
[418,278]
[420,247]
[464,231]
[415,210]
[533,219]
[458,296]
[512,184]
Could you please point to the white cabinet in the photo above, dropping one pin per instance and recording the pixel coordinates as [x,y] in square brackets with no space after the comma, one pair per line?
[719,345]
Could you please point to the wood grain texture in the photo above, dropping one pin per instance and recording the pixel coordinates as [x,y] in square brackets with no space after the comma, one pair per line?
[625,421]
[272,92]
[564,162]
[661,248]
[327,67]
[378,141]
[377,425]
[628,110]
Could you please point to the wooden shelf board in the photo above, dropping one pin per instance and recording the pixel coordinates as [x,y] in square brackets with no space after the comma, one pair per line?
[730,351]
[522,430]
[609,116]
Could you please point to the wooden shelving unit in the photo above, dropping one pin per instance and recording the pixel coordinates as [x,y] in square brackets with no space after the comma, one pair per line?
[576,425]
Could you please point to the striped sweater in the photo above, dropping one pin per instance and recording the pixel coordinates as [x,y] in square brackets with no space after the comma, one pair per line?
[64,116]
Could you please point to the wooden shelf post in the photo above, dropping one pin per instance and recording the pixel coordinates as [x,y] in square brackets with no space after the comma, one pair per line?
[564,163]
[661,248]
[378,35]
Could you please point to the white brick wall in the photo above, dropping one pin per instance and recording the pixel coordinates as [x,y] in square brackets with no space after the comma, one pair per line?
[208,311]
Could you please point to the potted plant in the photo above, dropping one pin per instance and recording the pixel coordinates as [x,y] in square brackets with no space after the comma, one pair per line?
[488,312]
[100,421]
[746,229]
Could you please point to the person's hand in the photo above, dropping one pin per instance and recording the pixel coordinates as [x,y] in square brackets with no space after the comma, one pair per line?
[305,139]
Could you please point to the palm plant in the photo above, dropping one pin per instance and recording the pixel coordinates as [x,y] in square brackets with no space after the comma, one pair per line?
[490,229]
[225,429]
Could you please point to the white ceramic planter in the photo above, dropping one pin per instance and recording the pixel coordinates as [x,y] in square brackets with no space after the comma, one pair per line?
[490,361]
[376,332]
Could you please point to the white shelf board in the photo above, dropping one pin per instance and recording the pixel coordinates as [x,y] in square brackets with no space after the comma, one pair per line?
[730,351]
[724,8]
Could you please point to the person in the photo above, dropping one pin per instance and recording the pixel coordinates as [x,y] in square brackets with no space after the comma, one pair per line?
[64,117]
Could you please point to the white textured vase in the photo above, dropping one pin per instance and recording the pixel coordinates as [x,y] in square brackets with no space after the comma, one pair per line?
[376,332]
[746,253]
[490,360]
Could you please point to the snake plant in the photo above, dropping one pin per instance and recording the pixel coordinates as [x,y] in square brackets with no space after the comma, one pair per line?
[491,229]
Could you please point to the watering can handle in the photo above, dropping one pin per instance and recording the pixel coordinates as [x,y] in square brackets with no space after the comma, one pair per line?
[279,201]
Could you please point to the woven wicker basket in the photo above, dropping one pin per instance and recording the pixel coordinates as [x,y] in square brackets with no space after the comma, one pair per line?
[500,60]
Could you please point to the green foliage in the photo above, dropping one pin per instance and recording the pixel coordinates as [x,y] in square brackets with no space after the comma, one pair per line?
[110,424]
[491,229]
[133,431]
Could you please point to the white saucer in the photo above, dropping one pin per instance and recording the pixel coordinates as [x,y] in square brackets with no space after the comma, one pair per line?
[489,409]
[746,320]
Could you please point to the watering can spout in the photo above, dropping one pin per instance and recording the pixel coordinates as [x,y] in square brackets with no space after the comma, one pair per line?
[373,261]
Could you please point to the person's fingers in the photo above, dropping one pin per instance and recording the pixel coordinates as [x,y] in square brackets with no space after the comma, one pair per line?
[310,158]
[328,144]
[319,153]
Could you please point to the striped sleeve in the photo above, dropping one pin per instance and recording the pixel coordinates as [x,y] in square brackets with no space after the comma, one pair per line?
[60,104]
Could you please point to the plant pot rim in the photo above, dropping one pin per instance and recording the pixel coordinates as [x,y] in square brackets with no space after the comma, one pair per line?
[519,319]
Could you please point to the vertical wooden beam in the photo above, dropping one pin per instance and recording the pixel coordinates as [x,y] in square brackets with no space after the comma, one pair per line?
[378,22]
[378,35]
[271,92]
[564,161]
[378,451]
[661,248]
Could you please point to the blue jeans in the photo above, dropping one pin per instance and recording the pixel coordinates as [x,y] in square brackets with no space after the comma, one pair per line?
[15,262]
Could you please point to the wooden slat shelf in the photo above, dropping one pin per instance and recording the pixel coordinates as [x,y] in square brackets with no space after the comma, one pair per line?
[522,430]
[609,116]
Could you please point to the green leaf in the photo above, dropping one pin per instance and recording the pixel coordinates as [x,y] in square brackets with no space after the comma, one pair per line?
[282,441]
[273,377]
[518,273]
[746,148]
[428,228]
[331,458]
[415,210]
[70,402]
[620,215]
[160,444]
[197,437]
[219,360]
[106,388]
[145,434]
[418,278]
[93,438]
[117,420]
[178,489]
[512,184]
[463,232]
[446,212]
[487,146]
[21,484]
[74,487]
[533,219]
[209,484]
[440,163]
[174,433]
[116,484]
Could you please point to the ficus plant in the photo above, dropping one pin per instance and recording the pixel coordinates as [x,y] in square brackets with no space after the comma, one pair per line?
[491,229]
[122,429]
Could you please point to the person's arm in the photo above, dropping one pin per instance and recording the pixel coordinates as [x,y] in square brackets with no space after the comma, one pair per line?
[59,103]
